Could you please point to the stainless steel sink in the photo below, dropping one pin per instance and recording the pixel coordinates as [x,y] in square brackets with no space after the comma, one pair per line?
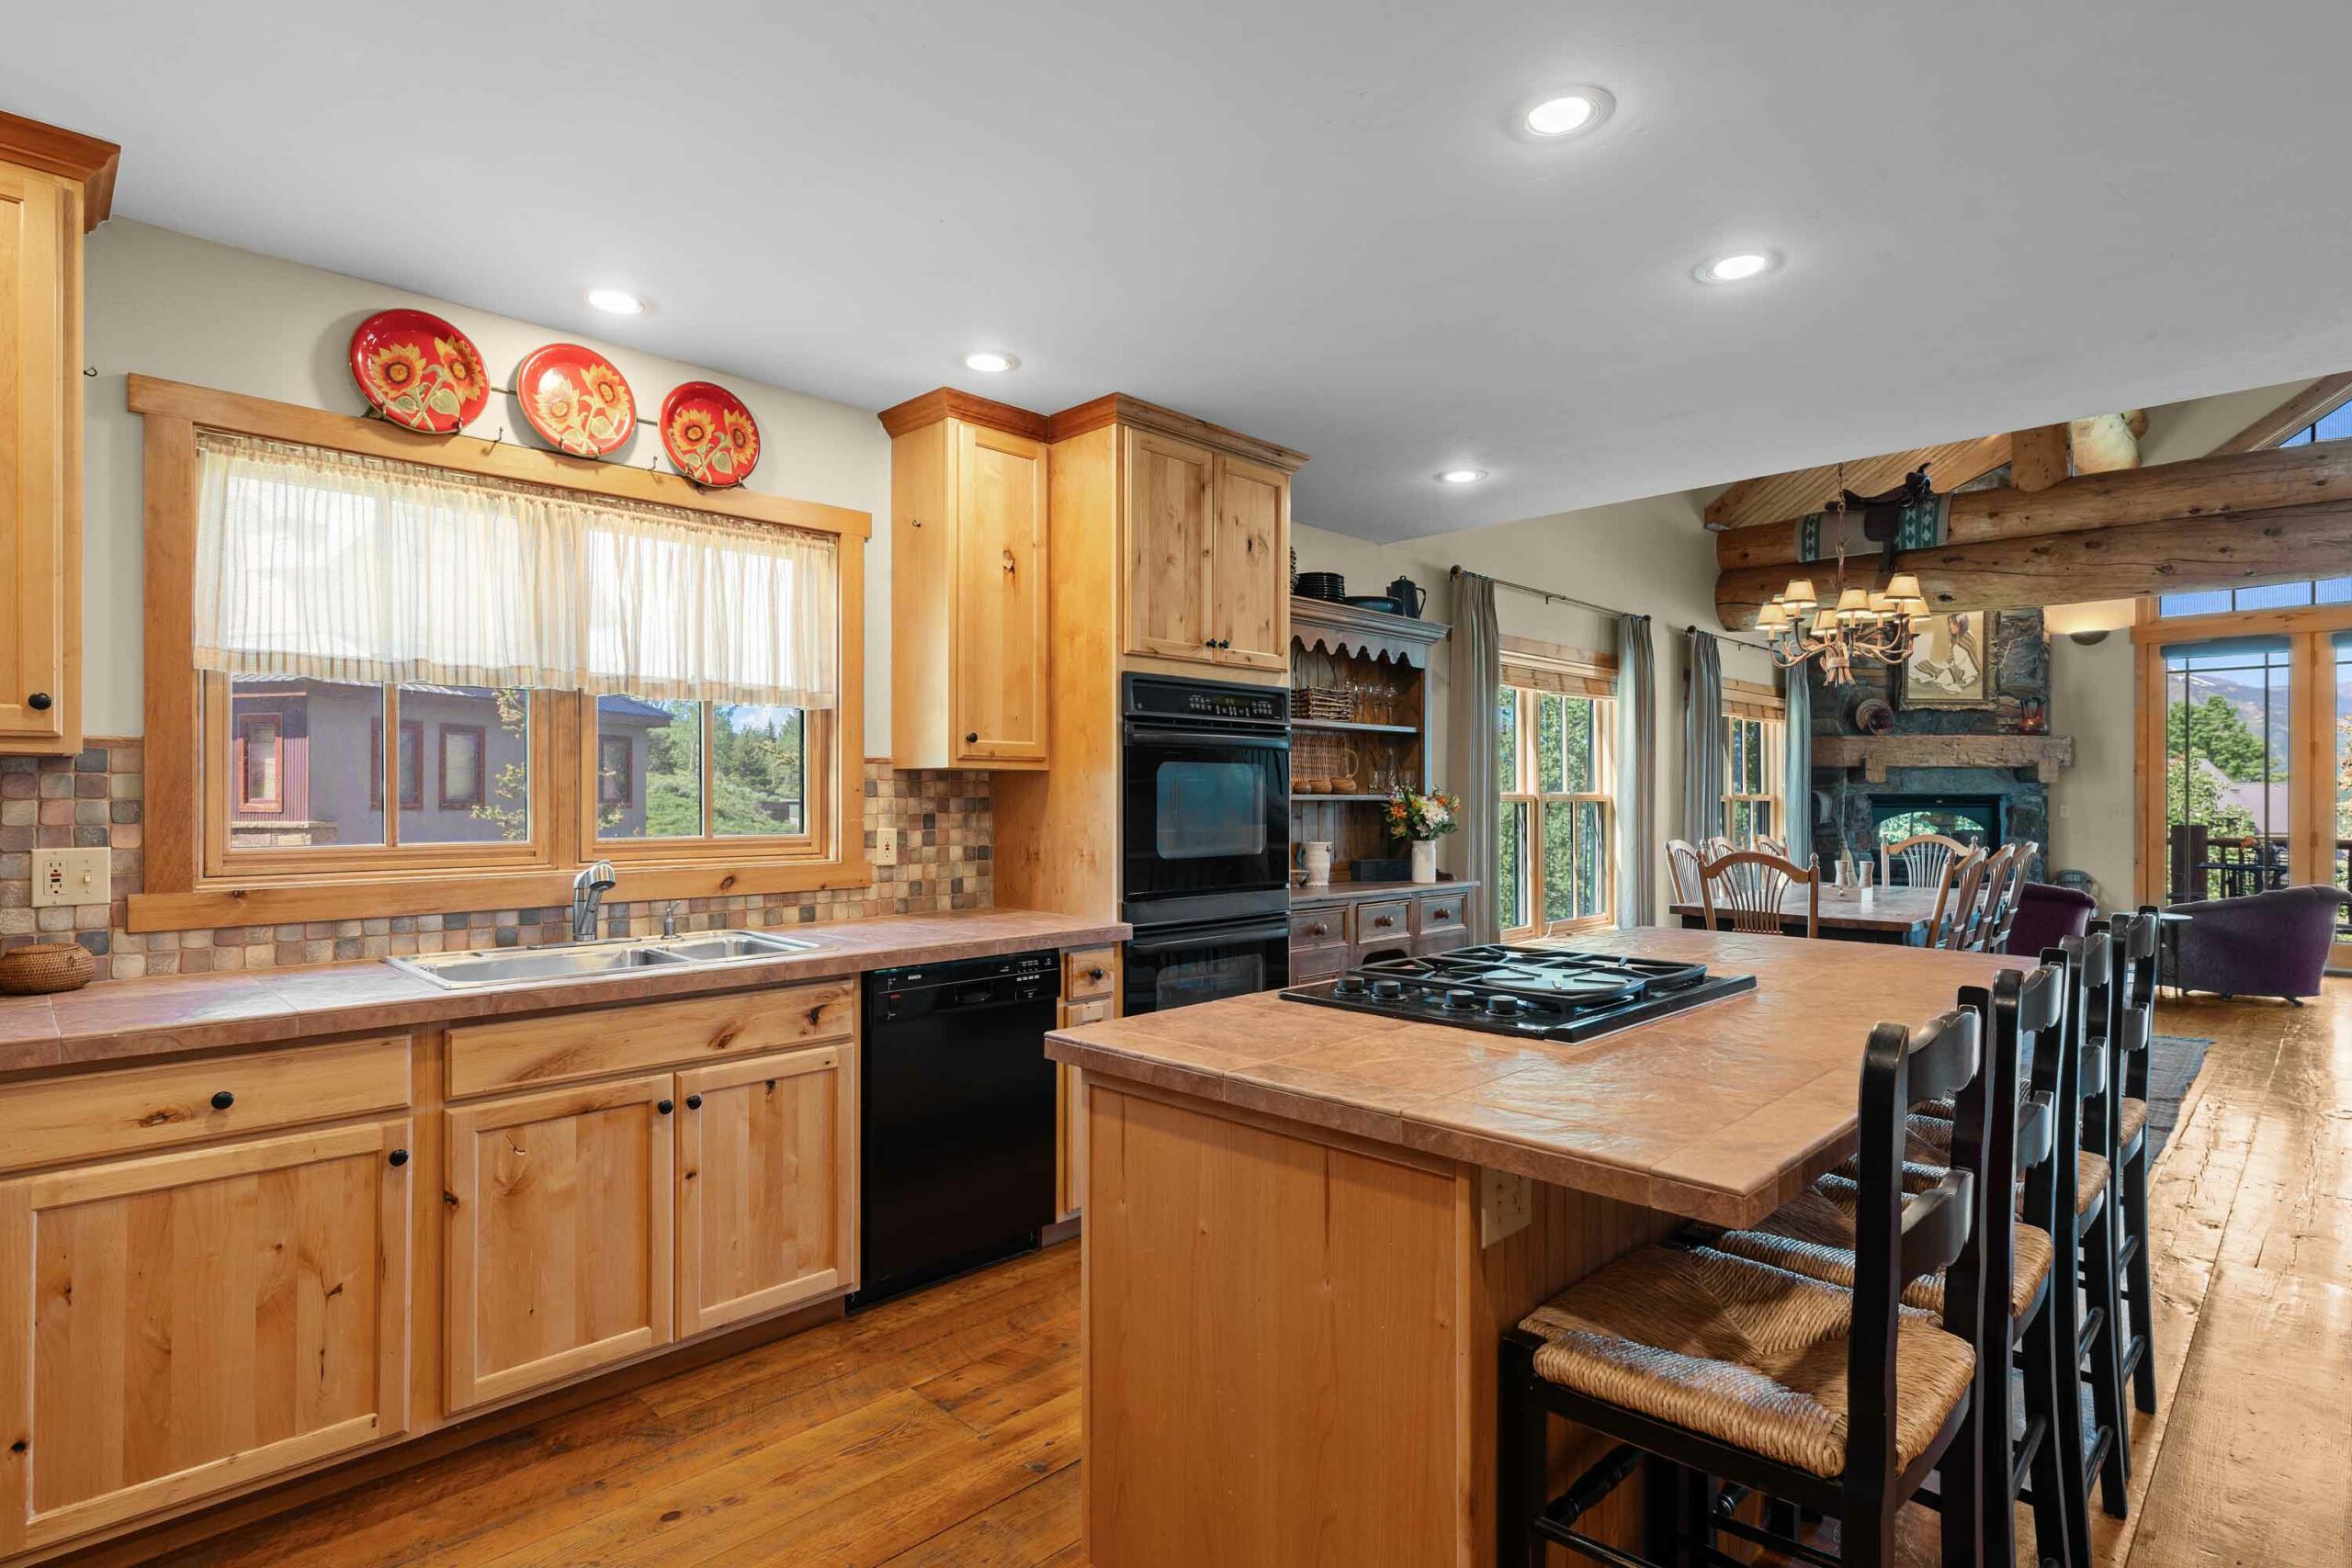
[586,960]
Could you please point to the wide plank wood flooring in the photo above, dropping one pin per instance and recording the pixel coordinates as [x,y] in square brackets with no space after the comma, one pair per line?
[944,1429]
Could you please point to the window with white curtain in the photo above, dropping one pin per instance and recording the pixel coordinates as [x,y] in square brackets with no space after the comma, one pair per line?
[1557,821]
[662,680]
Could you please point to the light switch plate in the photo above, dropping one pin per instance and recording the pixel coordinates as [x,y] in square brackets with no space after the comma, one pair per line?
[70,876]
[886,847]
[1506,1205]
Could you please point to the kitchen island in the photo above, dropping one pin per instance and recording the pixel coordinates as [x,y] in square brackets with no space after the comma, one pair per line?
[1306,1228]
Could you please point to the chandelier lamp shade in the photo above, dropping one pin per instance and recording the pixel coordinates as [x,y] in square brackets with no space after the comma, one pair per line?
[1860,623]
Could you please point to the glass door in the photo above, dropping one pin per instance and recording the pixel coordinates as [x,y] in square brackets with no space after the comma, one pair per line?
[2229,783]
[2332,835]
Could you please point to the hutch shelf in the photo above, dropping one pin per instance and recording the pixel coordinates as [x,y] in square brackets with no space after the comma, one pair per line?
[1360,719]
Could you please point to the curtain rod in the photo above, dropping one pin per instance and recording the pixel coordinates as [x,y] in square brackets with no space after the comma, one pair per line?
[1544,593]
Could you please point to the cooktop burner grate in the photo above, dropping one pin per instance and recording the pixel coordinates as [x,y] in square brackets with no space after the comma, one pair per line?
[1540,992]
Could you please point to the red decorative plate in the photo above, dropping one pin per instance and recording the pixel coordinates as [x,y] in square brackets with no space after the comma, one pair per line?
[419,371]
[575,397]
[709,434]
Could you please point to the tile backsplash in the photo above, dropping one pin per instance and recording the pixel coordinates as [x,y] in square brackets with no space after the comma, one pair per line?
[96,798]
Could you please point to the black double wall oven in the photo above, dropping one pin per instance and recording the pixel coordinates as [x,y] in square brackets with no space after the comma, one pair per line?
[1205,801]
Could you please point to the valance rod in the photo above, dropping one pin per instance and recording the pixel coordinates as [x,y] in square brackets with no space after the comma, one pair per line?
[1544,593]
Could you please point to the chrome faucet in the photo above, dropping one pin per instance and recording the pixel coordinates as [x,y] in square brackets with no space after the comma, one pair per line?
[588,890]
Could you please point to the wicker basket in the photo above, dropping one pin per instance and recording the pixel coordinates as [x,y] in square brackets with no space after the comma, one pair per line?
[44,967]
[1308,702]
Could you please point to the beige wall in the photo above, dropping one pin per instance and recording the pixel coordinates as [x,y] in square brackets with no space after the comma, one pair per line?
[1650,557]
[161,303]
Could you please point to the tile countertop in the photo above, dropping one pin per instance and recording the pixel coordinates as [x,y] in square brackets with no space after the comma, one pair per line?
[129,1019]
[1721,1113]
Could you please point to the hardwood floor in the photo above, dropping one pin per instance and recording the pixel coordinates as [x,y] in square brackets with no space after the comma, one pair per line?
[944,1429]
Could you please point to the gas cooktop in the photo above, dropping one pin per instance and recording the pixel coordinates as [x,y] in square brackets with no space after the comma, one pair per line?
[1541,993]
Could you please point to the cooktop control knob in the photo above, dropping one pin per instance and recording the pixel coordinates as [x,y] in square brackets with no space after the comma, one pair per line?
[1462,1001]
[1348,986]
[1503,1007]
[1388,990]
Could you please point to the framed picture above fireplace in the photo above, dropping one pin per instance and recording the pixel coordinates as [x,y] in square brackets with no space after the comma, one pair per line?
[1951,664]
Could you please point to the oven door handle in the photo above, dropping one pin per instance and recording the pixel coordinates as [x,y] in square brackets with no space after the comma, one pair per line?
[1210,936]
[1137,733]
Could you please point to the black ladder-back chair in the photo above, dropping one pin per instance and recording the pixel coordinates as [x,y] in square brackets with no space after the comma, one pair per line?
[2081,1216]
[1899,1237]
[2132,1029]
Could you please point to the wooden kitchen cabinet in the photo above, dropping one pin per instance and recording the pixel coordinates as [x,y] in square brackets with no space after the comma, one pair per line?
[54,186]
[1250,565]
[765,1215]
[559,1209]
[970,639]
[1208,555]
[175,1325]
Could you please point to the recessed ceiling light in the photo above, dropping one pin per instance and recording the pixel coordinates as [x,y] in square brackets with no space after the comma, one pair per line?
[620,301]
[1738,268]
[990,361]
[1561,115]
[1460,476]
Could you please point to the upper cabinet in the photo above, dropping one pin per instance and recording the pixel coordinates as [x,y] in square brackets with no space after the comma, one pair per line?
[969,637]
[54,186]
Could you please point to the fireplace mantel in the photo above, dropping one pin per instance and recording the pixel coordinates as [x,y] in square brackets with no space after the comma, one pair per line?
[1874,754]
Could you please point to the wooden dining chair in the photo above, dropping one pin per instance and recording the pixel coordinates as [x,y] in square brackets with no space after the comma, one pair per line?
[2000,866]
[1683,862]
[1956,889]
[2012,894]
[1922,857]
[1748,890]
[1772,846]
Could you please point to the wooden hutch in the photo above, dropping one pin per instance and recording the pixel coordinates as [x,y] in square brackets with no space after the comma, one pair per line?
[1360,730]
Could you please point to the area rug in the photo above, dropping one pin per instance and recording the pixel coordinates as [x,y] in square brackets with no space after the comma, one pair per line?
[2174,1062]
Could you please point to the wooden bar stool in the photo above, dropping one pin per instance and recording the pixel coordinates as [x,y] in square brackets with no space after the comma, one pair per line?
[1836,1401]
[2133,1028]
[1814,1235]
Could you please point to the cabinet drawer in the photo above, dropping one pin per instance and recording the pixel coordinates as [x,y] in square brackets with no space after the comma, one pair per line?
[519,1052]
[1089,972]
[1385,922]
[1437,912]
[1077,1013]
[1323,925]
[150,1108]
[1316,963]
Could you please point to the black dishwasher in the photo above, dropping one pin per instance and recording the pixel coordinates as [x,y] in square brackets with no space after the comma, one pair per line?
[957,1158]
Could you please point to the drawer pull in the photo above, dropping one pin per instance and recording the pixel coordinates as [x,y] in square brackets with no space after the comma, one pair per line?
[693,1102]
[222,1101]
[1441,914]
[1382,922]
[398,1157]
[972,738]
[664,1107]
[1097,973]
[1319,929]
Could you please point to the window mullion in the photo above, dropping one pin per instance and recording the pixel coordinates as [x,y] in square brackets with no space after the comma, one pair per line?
[391,760]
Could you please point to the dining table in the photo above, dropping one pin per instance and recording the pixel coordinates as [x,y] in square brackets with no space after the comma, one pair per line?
[1896,914]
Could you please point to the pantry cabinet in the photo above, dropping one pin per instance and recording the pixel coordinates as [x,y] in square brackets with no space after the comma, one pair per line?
[970,641]
[179,1324]
[1208,555]
[54,186]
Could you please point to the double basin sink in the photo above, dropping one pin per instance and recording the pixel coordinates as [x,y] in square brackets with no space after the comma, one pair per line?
[588,960]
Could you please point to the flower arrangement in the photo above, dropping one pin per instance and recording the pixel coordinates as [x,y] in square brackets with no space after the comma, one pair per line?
[1423,817]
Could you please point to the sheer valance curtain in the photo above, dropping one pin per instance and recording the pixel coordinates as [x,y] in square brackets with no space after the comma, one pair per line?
[324,564]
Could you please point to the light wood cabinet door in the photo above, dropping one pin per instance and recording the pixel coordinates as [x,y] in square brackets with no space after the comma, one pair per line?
[179,1324]
[1249,566]
[559,1213]
[1002,641]
[766,1205]
[41,461]
[1169,548]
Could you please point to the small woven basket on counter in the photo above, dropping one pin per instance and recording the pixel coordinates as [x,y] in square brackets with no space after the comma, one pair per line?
[44,967]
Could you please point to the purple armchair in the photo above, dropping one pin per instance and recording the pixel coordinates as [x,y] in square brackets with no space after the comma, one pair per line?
[2267,944]
[2047,912]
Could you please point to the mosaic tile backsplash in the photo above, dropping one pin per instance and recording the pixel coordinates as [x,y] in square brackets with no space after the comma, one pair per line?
[96,798]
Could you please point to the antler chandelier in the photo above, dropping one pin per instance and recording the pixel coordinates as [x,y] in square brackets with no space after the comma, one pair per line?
[1860,623]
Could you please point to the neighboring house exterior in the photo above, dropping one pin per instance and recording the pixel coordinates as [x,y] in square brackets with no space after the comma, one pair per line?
[306,764]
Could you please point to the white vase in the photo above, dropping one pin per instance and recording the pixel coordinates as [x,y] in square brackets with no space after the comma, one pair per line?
[1316,854]
[1425,860]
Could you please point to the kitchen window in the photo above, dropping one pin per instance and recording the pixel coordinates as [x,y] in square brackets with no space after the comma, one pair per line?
[1555,825]
[581,672]
[1754,756]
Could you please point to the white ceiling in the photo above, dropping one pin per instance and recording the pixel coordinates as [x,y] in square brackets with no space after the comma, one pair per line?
[1304,219]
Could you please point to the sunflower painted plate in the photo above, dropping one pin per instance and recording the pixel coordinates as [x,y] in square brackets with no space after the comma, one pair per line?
[575,397]
[419,371]
[709,434]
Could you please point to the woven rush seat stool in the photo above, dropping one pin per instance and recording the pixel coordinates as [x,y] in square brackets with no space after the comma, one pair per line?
[1701,1365]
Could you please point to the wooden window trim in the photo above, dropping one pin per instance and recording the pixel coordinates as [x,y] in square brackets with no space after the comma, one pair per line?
[1775,793]
[186,886]
[1604,732]
[252,805]
[441,772]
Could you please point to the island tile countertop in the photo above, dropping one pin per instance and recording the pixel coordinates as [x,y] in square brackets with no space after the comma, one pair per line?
[129,1019]
[1721,1113]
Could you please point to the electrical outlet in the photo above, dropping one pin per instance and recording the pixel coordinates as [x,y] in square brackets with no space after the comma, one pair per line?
[70,876]
[886,847]
[1506,1205]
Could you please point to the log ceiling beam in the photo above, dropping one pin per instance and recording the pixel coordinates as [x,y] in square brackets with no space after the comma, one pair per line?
[1776,497]
[2311,405]
[2037,456]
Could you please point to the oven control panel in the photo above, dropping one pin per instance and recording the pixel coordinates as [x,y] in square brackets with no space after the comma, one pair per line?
[1151,697]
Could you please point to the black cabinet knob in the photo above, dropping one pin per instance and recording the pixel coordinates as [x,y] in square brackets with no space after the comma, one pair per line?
[693,1102]
[222,1101]
[664,1107]
[398,1156]
[38,702]
[973,739]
